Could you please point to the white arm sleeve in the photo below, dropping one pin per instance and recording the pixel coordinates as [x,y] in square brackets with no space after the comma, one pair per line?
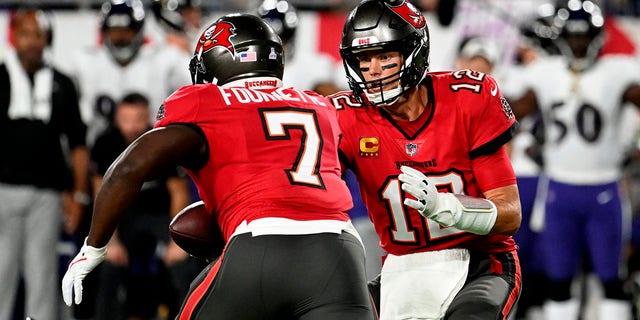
[475,215]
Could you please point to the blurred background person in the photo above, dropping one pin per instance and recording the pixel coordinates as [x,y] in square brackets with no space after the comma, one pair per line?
[178,22]
[445,28]
[192,13]
[125,63]
[581,95]
[482,54]
[454,21]
[536,40]
[477,53]
[38,110]
[141,253]
[305,70]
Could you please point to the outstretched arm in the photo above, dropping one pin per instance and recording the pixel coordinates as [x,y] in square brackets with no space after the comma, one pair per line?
[498,212]
[145,159]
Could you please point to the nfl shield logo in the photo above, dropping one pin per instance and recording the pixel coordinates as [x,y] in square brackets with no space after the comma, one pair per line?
[411,149]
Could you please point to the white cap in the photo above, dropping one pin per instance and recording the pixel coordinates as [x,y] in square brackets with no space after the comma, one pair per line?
[480,47]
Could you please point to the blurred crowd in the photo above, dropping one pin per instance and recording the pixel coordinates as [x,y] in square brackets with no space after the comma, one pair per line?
[72,107]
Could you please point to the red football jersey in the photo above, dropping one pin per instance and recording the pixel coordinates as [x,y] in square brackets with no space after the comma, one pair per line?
[466,122]
[272,153]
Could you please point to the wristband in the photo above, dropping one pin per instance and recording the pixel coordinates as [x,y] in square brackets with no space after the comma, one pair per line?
[93,252]
[477,215]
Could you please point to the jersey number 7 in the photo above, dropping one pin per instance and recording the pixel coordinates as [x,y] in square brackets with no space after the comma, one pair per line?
[277,124]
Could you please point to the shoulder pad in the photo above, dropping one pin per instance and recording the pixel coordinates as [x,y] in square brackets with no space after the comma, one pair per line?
[183,105]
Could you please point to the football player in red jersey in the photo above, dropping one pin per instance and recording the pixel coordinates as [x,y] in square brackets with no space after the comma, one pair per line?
[265,161]
[428,152]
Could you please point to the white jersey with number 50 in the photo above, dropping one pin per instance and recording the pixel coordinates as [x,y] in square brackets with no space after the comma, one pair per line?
[587,126]
[156,71]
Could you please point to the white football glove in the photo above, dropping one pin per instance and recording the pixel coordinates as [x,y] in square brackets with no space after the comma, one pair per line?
[475,215]
[87,259]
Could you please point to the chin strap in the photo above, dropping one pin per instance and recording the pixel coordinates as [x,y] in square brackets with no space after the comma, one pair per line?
[378,97]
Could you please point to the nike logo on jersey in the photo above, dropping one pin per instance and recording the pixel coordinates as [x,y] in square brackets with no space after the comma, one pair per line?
[494,90]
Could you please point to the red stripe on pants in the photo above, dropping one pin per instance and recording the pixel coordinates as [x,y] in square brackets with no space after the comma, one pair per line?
[515,292]
[196,295]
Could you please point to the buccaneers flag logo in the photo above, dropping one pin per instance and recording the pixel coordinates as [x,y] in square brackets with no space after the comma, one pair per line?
[217,35]
[410,13]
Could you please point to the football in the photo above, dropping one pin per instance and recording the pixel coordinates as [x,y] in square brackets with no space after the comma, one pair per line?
[197,232]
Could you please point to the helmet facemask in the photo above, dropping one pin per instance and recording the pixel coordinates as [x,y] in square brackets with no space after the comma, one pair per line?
[381,96]
[127,15]
[581,61]
[580,19]
[377,25]
[198,69]
[123,54]
[413,69]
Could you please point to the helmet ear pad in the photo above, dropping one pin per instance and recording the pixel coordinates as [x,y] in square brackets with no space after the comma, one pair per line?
[198,70]
[416,59]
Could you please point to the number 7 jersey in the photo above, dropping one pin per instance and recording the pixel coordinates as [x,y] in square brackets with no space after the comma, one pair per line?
[272,153]
[465,122]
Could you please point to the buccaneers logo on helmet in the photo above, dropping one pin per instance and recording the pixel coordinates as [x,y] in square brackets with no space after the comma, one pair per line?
[217,35]
[409,13]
